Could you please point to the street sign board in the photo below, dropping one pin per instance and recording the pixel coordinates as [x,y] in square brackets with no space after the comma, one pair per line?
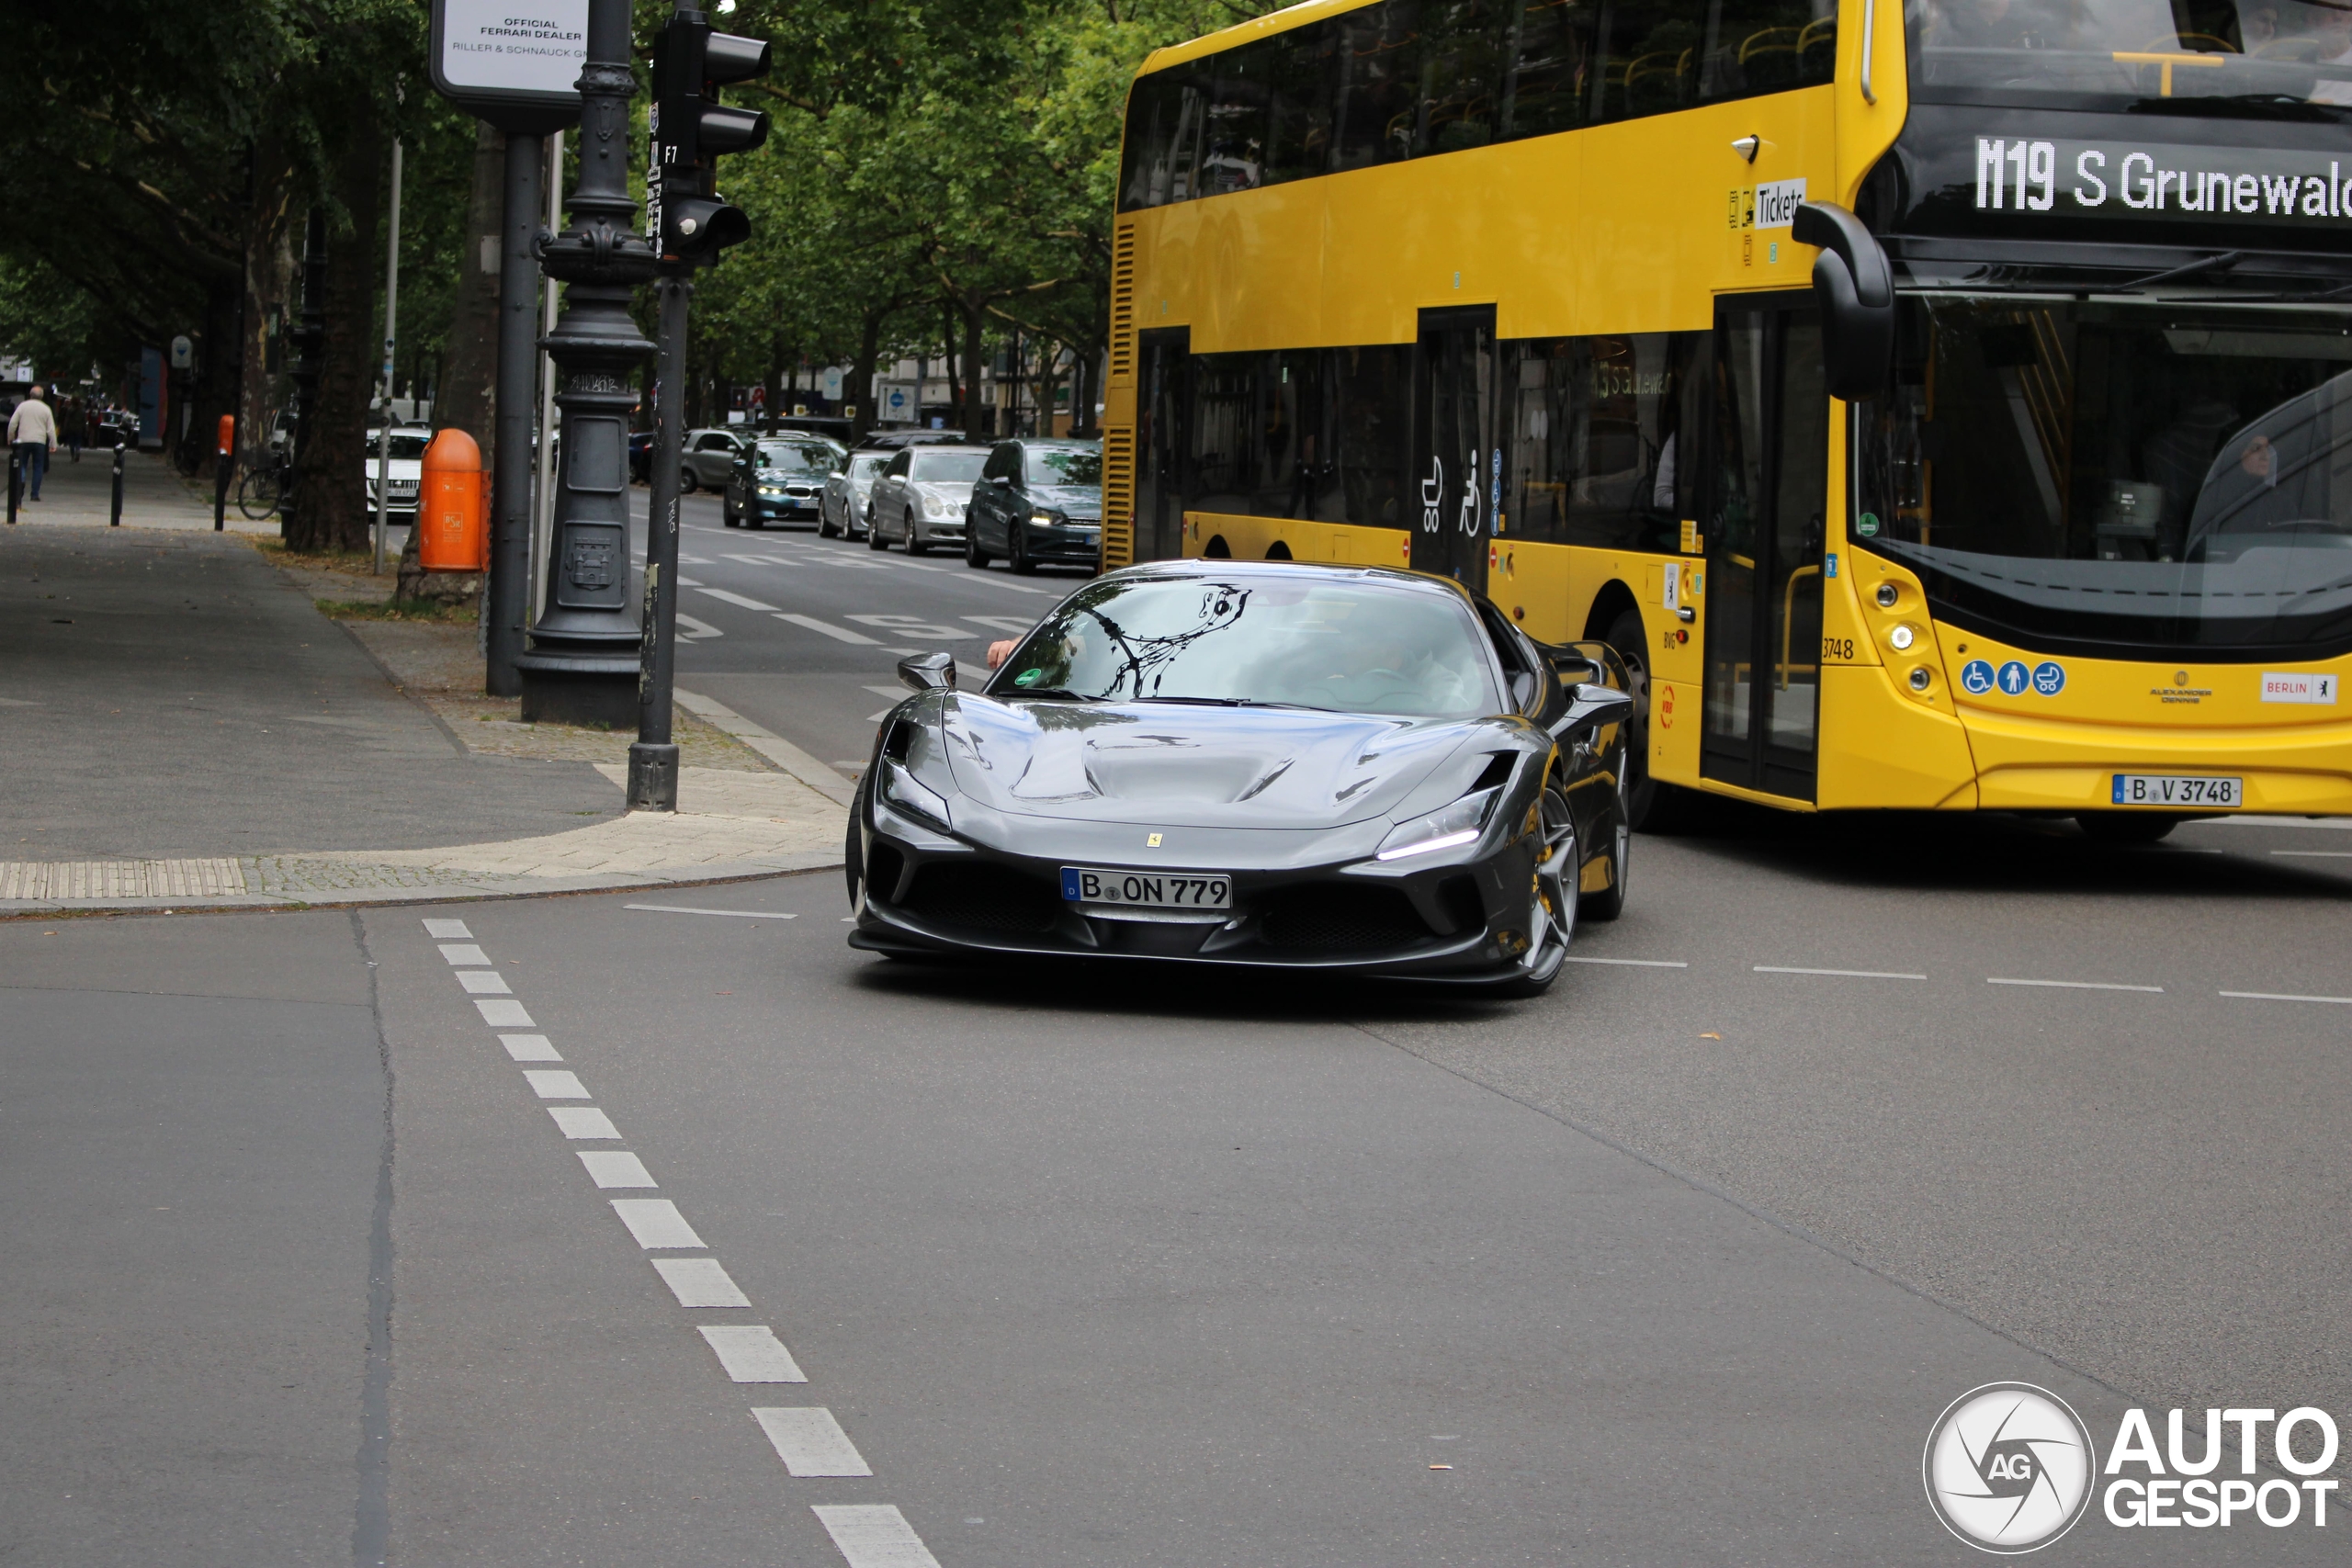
[513,62]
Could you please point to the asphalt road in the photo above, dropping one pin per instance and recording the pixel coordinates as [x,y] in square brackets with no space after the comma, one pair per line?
[804,635]
[1676,1265]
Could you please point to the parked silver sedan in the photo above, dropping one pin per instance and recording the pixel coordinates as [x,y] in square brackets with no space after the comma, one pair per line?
[919,499]
[840,513]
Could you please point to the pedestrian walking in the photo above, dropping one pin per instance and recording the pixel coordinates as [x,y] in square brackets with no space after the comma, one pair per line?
[32,436]
[69,422]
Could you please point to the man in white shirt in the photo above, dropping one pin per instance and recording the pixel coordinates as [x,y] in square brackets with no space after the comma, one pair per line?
[32,436]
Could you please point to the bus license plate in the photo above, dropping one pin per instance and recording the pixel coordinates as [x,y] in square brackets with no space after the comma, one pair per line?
[2177,790]
[1147,889]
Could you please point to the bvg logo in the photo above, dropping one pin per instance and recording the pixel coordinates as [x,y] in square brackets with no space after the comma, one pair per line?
[2009,1468]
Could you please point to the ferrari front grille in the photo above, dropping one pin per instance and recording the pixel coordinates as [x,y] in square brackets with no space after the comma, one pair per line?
[1341,920]
[981,895]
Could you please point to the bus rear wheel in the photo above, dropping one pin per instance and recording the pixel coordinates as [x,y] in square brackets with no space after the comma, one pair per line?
[2125,826]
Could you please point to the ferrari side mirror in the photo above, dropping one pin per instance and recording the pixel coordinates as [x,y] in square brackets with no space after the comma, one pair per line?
[1590,706]
[929,671]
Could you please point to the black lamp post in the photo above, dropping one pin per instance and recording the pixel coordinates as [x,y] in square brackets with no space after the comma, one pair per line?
[582,666]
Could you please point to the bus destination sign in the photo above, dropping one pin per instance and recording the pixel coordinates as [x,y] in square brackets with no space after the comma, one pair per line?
[2149,179]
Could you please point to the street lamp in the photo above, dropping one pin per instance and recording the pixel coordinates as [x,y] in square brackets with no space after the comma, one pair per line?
[582,665]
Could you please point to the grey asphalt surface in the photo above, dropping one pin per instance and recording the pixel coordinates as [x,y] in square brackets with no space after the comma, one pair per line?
[172,694]
[1675,1265]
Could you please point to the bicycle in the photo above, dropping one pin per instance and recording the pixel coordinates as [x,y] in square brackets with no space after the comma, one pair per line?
[262,490]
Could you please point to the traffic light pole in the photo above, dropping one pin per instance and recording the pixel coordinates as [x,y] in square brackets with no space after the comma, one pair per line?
[582,664]
[654,760]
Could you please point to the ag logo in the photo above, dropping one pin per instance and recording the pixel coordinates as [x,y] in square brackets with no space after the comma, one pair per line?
[2009,1468]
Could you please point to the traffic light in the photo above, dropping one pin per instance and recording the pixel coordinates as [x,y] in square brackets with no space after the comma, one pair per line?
[691,129]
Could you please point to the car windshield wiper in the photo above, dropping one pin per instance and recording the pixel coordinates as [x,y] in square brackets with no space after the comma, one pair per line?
[1062,692]
[1237,703]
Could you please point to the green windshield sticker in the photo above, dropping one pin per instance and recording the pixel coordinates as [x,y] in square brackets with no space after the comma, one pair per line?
[1028,677]
[1866,524]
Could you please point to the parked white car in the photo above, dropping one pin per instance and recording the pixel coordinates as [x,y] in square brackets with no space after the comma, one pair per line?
[407,469]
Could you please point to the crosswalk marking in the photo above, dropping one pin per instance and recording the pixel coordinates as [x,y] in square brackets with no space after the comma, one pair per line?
[739,600]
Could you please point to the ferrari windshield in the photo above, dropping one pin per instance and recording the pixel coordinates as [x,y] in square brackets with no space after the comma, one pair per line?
[2253,50]
[1348,645]
[2136,474]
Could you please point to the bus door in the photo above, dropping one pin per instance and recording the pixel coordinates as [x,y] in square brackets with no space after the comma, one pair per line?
[1457,475]
[1163,441]
[1765,500]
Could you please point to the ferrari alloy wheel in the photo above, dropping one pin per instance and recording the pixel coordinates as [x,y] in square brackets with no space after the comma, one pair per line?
[1552,904]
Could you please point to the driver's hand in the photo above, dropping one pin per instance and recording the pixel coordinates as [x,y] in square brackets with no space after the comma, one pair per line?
[999,651]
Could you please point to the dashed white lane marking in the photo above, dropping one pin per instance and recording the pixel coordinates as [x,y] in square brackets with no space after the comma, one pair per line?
[699,1282]
[443,930]
[463,953]
[738,600]
[873,1535]
[615,1168]
[655,1222]
[838,634]
[561,1084]
[583,1121]
[739,914]
[529,1048]
[2316,854]
[752,1353]
[696,631]
[484,983]
[968,575]
[810,1442]
[1843,974]
[688,581]
[2284,996]
[1634,963]
[2074,984]
[499,1014]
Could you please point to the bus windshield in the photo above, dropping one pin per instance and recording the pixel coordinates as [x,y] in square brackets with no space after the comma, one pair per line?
[2258,53]
[2153,476]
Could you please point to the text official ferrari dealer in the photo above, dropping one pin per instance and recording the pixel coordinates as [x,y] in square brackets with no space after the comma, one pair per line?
[1258,765]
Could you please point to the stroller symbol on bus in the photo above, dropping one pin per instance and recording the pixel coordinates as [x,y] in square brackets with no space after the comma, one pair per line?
[2049,678]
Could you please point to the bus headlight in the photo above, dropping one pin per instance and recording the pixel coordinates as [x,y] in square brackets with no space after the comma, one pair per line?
[1902,637]
[1920,679]
[1887,595]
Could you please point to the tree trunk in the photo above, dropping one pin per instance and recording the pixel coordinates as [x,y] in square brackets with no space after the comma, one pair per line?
[270,283]
[860,389]
[947,362]
[331,510]
[971,399]
[772,387]
[468,394]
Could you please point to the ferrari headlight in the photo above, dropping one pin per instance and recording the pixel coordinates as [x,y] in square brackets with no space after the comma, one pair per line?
[1443,829]
[912,795]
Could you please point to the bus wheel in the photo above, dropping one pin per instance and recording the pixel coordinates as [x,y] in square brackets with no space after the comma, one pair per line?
[2125,826]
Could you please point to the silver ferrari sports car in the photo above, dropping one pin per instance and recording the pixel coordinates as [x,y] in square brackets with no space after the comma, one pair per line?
[1272,765]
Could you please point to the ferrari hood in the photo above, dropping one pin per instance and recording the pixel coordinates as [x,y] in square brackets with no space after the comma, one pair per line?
[1180,765]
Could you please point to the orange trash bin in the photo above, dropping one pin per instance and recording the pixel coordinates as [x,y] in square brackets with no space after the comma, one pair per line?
[451,505]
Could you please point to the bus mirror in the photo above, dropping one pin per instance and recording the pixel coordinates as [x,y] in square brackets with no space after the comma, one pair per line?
[1856,292]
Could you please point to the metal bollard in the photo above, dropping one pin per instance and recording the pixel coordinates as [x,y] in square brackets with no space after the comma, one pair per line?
[114,515]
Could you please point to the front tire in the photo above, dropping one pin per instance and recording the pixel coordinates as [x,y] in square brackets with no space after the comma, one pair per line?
[825,524]
[1552,905]
[974,556]
[1017,537]
[687,483]
[873,540]
[915,546]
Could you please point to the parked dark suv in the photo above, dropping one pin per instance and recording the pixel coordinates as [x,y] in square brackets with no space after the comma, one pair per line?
[1038,502]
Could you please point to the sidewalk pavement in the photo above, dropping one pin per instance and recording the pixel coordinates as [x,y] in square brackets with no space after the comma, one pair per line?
[81,495]
[184,730]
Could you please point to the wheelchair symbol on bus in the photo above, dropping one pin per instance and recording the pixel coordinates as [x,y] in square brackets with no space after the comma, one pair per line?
[1976,678]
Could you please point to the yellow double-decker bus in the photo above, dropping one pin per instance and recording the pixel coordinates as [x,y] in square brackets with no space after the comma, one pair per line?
[1946,406]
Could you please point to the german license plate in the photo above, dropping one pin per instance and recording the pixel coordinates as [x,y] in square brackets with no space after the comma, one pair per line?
[2177,790]
[1147,889]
